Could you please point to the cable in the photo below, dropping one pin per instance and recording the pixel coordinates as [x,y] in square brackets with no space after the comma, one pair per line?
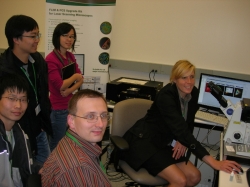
[154,74]
[150,73]
[117,176]
[208,133]
[210,148]
[109,72]
[113,175]
[198,133]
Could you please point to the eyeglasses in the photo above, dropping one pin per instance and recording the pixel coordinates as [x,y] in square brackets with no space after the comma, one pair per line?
[34,37]
[23,100]
[92,117]
[72,37]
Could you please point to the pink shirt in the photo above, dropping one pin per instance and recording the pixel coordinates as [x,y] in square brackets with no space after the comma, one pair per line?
[55,79]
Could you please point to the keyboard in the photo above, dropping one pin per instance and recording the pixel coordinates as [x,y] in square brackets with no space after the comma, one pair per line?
[211,118]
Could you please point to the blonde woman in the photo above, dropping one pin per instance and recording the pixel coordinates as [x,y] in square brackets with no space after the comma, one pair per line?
[163,140]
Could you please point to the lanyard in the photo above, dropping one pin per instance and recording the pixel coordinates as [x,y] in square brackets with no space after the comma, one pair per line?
[34,87]
[78,143]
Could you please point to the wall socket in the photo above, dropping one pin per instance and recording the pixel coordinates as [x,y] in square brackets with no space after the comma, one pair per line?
[88,86]
[91,79]
[100,88]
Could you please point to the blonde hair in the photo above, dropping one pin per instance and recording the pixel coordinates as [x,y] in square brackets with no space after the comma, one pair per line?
[180,68]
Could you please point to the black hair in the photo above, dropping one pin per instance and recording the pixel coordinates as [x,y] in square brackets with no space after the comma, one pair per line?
[13,82]
[62,28]
[17,25]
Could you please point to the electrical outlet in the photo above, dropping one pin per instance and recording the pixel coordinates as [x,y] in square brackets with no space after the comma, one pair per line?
[100,88]
[97,80]
[89,79]
[154,68]
[88,86]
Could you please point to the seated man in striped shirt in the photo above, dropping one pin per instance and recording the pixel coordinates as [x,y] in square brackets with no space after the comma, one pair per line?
[75,160]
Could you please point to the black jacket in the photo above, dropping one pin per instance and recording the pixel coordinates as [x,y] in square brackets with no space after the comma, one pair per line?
[20,156]
[30,122]
[163,123]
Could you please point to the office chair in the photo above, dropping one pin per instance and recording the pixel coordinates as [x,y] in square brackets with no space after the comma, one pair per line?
[125,114]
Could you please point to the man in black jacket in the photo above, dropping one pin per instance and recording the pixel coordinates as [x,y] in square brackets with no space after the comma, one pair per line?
[15,154]
[22,58]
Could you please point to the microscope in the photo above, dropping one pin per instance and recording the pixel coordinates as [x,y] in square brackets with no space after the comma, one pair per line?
[238,129]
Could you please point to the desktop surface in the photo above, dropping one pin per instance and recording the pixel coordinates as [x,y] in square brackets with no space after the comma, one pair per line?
[224,179]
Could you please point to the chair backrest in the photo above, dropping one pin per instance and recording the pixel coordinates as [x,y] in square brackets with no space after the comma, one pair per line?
[126,113]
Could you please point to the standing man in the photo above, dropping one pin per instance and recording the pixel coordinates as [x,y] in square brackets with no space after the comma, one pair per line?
[22,33]
[75,160]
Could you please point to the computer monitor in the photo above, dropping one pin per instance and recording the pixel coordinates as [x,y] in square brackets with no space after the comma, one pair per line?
[80,61]
[233,90]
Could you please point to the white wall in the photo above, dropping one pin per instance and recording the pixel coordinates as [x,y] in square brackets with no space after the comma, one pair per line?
[33,8]
[213,34]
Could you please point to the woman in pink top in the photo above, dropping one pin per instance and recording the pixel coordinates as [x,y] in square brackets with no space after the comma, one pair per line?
[63,39]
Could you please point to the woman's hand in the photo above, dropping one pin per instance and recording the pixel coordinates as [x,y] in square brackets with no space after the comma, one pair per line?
[78,77]
[179,150]
[65,93]
[228,166]
[225,165]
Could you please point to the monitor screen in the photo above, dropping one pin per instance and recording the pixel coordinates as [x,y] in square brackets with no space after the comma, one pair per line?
[80,61]
[233,90]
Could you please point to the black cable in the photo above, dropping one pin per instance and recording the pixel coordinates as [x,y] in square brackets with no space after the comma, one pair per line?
[116,178]
[198,133]
[154,74]
[211,147]
[150,74]
[109,72]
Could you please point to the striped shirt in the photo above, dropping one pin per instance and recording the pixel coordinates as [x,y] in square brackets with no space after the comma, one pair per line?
[73,165]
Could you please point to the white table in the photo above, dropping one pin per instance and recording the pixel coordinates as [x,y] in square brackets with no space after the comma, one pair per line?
[224,178]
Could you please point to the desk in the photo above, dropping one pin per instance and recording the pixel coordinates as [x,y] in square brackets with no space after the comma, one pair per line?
[110,106]
[224,177]
[225,182]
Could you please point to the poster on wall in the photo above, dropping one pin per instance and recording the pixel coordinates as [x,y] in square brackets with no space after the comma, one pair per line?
[92,20]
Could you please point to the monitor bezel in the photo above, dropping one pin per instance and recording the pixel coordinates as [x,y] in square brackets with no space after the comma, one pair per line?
[217,76]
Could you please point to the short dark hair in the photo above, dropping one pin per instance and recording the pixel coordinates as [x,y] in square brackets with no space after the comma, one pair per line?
[62,28]
[17,25]
[81,94]
[13,82]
